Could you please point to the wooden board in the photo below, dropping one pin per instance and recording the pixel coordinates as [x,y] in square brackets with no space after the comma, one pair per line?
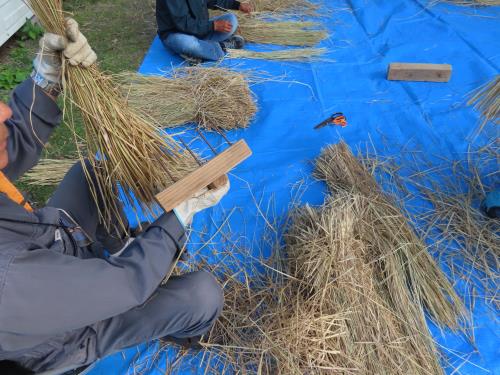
[208,173]
[419,72]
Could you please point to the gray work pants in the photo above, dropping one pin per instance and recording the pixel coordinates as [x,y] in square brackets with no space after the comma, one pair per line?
[185,306]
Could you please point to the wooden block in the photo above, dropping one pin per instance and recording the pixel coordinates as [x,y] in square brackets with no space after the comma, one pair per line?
[207,174]
[221,181]
[419,72]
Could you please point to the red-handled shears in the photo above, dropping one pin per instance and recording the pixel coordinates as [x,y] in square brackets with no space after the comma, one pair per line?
[335,119]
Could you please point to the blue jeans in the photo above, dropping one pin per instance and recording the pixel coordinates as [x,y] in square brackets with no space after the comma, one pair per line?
[207,48]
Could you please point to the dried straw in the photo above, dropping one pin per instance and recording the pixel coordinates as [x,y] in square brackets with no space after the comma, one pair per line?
[296,54]
[48,172]
[289,33]
[346,295]
[214,98]
[453,222]
[284,6]
[487,101]
[334,249]
[268,28]
[410,265]
[133,152]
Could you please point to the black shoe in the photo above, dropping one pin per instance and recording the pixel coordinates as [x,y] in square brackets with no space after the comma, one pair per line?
[186,343]
[235,42]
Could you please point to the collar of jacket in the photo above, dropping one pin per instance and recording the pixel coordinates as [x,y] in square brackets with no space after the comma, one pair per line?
[10,190]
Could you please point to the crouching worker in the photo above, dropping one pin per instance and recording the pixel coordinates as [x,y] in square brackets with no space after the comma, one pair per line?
[64,303]
[184,27]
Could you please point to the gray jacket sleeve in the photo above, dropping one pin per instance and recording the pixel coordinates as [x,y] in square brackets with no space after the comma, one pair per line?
[35,116]
[46,293]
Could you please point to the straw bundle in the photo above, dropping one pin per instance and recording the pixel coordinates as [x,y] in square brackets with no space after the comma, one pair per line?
[284,6]
[460,233]
[345,272]
[348,297]
[214,98]
[48,172]
[331,310]
[132,151]
[410,265]
[487,101]
[290,33]
[295,54]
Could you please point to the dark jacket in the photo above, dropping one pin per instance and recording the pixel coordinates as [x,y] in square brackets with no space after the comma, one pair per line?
[188,16]
[49,287]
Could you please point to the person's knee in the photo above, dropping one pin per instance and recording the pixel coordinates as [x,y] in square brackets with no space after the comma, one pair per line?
[184,44]
[207,291]
[205,304]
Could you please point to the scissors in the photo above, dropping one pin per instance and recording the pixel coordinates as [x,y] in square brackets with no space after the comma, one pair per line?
[335,119]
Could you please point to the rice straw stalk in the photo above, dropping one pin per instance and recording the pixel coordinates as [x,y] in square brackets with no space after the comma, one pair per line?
[132,150]
[214,98]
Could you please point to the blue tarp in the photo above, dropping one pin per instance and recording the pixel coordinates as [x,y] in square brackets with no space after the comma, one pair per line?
[365,36]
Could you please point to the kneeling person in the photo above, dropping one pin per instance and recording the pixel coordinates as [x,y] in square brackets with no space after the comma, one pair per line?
[185,28]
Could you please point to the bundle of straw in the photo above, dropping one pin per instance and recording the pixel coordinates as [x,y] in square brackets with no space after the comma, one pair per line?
[290,33]
[48,172]
[387,232]
[487,101]
[285,6]
[344,272]
[453,222]
[132,151]
[295,54]
[346,295]
[214,98]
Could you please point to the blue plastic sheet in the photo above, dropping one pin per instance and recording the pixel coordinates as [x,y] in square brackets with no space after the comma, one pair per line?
[365,36]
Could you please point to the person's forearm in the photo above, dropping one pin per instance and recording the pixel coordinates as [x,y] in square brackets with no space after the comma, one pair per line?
[99,288]
[35,116]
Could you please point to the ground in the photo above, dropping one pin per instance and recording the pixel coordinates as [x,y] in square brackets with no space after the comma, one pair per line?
[120,31]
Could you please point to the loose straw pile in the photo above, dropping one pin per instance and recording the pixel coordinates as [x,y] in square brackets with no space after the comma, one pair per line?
[453,221]
[132,151]
[284,6]
[347,295]
[487,102]
[214,98]
[267,28]
[295,54]
[390,235]
[48,172]
[289,33]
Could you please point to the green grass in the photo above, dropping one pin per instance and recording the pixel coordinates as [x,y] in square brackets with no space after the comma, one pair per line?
[120,31]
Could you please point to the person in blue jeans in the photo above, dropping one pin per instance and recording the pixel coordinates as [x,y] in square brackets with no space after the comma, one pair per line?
[185,28]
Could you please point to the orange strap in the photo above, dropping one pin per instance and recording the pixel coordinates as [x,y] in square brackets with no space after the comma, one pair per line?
[11,191]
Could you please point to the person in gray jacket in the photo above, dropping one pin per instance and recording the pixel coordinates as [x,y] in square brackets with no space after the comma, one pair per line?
[185,28]
[64,303]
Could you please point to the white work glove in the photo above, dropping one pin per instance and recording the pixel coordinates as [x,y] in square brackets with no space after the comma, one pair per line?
[205,198]
[48,62]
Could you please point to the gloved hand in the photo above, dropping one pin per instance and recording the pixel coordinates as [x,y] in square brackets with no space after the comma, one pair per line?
[48,62]
[203,199]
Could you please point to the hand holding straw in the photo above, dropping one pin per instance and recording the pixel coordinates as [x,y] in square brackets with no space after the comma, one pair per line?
[133,152]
